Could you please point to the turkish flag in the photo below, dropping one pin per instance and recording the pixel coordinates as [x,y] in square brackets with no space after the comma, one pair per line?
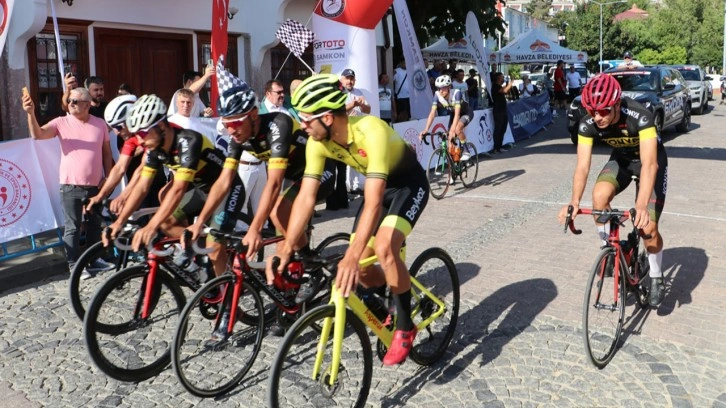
[219,42]
[357,13]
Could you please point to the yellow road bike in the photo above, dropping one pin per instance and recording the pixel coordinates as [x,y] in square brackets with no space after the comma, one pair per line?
[326,357]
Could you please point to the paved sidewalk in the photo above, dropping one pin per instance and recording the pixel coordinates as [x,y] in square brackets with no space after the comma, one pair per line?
[518,341]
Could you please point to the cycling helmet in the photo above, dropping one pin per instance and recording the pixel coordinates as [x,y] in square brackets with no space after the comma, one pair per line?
[601,92]
[628,54]
[442,81]
[145,112]
[117,109]
[237,101]
[319,93]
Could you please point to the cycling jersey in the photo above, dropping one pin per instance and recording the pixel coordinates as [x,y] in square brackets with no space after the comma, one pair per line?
[374,149]
[446,106]
[635,124]
[281,143]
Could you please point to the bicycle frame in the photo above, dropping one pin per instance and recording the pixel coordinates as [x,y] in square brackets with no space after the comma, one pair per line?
[367,317]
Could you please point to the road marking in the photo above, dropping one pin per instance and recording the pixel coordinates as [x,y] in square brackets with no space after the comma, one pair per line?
[525,200]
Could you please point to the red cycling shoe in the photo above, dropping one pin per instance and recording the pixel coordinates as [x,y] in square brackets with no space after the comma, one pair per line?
[400,346]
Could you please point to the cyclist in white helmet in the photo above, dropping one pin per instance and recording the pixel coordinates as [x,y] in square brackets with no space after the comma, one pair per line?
[450,102]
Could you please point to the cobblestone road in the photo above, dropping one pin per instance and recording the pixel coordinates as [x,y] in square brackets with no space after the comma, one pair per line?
[518,342]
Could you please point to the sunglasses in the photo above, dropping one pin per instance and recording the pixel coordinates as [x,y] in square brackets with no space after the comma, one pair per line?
[142,133]
[307,120]
[119,127]
[74,101]
[278,92]
[234,123]
[602,112]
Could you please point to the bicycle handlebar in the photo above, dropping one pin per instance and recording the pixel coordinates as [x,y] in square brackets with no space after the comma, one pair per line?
[604,216]
[440,134]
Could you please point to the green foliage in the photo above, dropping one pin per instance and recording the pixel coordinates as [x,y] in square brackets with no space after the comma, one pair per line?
[539,9]
[649,56]
[436,18]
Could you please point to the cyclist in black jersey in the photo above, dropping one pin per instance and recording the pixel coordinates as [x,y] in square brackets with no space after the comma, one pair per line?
[395,194]
[272,137]
[196,164]
[629,128]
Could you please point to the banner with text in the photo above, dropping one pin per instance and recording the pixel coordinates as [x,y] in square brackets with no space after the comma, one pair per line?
[476,46]
[528,115]
[345,38]
[416,80]
[25,204]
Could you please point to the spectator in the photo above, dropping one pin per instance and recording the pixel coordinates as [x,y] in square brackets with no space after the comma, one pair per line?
[457,82]
[125,89]
[549,85]
[574,82]
[86,157]
[356,103]
[492,73]
[435,72]
[526,88]
[559,87]
[401,93]
[628,61]
[453,66]
[472,90]
[275,101]
[385,98]
[94,86]
[184,119]
[499,93]
[194,81]
[723,92]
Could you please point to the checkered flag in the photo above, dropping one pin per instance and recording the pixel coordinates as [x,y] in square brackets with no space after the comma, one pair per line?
[225,80]
[295,36]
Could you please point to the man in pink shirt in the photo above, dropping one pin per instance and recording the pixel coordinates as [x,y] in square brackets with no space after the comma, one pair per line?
[86,157]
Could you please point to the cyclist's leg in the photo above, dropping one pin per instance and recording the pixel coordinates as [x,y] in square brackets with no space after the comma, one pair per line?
[225,219]
[461,126]
[613,179]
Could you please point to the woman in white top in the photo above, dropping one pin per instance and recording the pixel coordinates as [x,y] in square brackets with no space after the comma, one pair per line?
[526,89]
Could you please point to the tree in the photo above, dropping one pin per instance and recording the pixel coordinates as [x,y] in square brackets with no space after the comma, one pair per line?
[436,18]
[539,9]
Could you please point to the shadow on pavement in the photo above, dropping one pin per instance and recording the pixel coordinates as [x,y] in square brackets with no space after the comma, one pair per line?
[683,270]
[509,311]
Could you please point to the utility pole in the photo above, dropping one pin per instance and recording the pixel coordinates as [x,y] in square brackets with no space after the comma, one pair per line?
[723,60]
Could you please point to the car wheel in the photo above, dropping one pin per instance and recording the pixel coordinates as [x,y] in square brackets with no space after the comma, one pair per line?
[705,104]
[686,122]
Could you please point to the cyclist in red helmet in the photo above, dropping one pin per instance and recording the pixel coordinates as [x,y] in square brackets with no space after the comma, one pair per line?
[628,127]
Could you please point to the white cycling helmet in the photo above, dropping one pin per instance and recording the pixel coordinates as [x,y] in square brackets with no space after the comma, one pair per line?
[442,81]
[117,109]
[146,112]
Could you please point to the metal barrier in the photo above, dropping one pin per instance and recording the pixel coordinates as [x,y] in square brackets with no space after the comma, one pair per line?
[34,247]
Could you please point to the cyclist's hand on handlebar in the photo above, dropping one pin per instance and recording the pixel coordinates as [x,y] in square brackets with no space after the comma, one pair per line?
[117,204]
[142,237]
[110,233]
[283,254]
[347,275]
[422,135]
[93,201]
[562,216]
[642,216]
[195,229]
[253,241]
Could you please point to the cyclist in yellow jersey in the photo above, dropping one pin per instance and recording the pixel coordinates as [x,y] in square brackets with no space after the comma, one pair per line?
[395,193]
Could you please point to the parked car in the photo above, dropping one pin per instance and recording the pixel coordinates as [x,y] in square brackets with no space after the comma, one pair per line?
[660,88]
[698,86]
[709,81]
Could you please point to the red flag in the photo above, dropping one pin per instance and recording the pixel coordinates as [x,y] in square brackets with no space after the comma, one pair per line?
[219,41]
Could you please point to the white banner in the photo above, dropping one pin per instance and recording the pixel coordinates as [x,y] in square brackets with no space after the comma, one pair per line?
[48,156]
[6,10]
[479,131]
[476,46]
[339,46]
[417,81]
[25,205]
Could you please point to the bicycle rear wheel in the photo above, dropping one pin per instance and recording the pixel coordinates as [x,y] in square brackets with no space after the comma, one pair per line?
[81,290]
[209,367]
[603,310]
[470,166]
[122,344]
[439,173]
[436,271]
[291,383]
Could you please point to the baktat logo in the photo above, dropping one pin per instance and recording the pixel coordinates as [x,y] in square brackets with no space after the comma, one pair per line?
[507,57]
[458,44]
[332,8]
[420,80]
[15,193]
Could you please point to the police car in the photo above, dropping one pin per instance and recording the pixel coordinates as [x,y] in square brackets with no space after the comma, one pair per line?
[660,88]
[698,86]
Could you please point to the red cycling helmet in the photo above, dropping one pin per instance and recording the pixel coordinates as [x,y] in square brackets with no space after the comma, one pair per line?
[601,92]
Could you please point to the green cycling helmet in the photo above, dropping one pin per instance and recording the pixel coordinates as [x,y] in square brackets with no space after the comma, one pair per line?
[319,93]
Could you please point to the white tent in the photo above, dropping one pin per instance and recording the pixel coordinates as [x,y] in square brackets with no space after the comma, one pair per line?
[534,46]
[445,50]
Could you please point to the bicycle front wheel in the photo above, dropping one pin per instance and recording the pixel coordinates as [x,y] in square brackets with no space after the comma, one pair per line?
[436,271]
[210,363]
[291,381]
[439,173]
[470,166]
[603,310]
[120,342]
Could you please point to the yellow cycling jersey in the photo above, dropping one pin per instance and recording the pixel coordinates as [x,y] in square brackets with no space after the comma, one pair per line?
[374,149]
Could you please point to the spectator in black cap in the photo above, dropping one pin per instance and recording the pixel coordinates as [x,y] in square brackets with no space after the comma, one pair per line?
[356,104]
[473,90]
[628,63]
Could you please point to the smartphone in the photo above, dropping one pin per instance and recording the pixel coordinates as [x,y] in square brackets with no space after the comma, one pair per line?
[25,91]
[210,62]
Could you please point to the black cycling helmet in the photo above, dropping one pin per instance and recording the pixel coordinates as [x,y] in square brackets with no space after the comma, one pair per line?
[628,54]
[237,101]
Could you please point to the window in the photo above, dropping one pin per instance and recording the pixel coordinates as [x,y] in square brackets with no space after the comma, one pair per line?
[292,68]
[204,53]
[46,85]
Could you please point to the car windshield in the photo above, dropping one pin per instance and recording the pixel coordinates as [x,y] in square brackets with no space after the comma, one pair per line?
[690,74]
[637,81]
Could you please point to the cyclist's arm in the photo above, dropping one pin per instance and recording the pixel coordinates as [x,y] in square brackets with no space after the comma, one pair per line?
[429,120]
[217,193]
[114,176]
[457,115]
[648,171]
[136,196]
[582,169]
